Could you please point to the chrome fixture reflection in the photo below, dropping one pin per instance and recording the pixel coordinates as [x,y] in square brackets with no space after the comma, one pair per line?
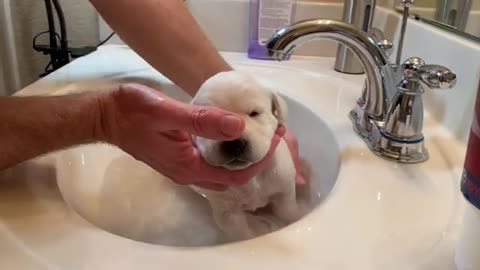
[453,12]
[360,14]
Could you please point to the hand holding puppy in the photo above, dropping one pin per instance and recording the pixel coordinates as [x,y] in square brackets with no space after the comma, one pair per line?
[292,144]
[155,129]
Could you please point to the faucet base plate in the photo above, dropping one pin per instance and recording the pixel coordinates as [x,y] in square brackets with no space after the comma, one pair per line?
[396,150]
[403,153]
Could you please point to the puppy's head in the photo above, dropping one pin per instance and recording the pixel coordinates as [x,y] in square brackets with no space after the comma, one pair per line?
[261,109]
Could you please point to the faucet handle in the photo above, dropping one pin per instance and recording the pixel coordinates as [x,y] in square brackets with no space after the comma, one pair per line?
[386,45]
[401,134]
[433,76]
[379,37]
[436,76]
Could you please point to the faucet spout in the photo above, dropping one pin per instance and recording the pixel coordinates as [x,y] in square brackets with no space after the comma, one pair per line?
[373,58]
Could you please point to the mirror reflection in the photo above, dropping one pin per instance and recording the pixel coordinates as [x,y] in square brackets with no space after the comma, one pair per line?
[459,16]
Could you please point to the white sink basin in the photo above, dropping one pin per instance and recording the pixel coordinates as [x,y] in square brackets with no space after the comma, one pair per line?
[372,213]
[124,196]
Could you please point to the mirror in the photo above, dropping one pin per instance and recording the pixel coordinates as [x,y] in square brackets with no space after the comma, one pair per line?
[461,17]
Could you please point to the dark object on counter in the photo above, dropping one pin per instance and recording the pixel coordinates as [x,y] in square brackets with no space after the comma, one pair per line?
[60,54]
[470,183]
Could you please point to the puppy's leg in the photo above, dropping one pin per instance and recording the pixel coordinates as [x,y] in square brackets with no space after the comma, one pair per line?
[285,206]
[233,223]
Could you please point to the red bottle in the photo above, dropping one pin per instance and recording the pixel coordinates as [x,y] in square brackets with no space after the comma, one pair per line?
[471,174]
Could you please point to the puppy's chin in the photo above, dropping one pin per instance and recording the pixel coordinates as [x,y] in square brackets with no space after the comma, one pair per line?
[232,165]
[236,165]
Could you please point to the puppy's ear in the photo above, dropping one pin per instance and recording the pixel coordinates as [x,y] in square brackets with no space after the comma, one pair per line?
[279,108]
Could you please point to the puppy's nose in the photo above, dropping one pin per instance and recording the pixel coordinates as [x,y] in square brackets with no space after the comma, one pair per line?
[234,148]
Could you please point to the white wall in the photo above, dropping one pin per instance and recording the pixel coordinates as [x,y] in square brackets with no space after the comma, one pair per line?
[29,19]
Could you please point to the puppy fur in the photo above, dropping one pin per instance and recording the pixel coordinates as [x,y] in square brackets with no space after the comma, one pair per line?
[234,209]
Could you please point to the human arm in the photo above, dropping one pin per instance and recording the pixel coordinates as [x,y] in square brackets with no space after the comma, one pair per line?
[302,168]
[32,126]
[167,36]
[141,121]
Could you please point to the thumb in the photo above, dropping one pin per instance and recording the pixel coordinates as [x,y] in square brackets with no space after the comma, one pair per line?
[203,121]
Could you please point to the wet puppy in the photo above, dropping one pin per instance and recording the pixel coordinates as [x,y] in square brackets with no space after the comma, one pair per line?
[236,209]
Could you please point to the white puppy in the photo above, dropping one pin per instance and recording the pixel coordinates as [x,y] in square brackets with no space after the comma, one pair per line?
[235,209]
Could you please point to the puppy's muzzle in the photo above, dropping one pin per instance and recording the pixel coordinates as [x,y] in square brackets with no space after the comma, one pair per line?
[234,149]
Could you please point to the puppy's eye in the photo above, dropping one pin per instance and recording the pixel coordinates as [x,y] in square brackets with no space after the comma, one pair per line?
[253,114]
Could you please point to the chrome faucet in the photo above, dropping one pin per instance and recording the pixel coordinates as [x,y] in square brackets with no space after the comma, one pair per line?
[358,13]
[389,113]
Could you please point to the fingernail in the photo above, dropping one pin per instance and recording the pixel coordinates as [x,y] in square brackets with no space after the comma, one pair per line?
[231,125]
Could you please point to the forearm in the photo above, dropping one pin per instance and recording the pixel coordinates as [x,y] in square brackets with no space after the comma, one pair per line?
[32,126]
[165,34]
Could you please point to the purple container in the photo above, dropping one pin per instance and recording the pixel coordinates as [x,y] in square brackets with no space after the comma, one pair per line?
[278,15]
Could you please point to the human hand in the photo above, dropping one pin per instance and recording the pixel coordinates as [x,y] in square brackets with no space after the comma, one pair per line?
[156,129]
[292,144]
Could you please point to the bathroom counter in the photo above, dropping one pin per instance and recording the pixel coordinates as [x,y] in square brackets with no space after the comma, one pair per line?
[39,231]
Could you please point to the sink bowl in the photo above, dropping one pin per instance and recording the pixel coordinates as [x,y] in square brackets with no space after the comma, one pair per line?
[366,213]
[126,197]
